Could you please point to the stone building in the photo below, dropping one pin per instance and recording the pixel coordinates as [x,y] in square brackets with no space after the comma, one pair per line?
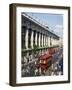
[34,33]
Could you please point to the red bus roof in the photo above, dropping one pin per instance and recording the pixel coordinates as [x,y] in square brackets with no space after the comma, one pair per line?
[45,56]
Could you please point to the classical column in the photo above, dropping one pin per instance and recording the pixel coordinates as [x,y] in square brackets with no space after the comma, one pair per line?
[32,39]
[42,40]
[46,40]
[26,39]
[49,41]
[39,39]
[36,38]
[52,41]
[57,42]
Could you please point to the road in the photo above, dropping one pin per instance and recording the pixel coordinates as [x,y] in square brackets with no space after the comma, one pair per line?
[57,67]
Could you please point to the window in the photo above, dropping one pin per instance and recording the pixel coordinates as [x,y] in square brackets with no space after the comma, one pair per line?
[38,38]
[43,40]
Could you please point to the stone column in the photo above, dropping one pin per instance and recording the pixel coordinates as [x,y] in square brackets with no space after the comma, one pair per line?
[46,40]
[39,39]
[26,39]
[32,39]
[42,40]
[36,38]
[55,42]
[49,41]
[52,41]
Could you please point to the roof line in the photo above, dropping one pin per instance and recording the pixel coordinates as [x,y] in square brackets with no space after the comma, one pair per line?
[41,25]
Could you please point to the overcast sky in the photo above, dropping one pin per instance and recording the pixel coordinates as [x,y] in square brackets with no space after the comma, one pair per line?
[53,21]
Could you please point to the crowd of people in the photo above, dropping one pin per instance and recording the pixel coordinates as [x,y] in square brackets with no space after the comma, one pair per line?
[29,65]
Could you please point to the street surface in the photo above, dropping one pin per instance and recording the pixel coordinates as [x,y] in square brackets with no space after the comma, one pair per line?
[56,67]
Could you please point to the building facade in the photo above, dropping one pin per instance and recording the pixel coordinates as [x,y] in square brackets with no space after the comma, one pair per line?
[36,39]
[35,34]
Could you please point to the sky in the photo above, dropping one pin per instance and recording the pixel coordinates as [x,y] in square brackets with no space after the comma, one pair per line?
[53,21]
